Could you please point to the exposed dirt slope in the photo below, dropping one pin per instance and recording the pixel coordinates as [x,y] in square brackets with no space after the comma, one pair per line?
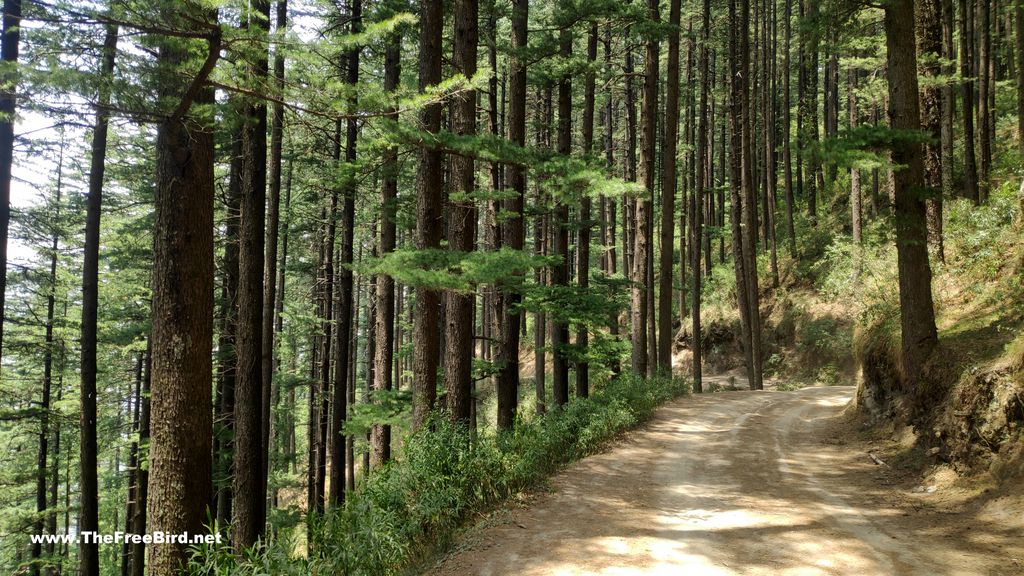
[741,483]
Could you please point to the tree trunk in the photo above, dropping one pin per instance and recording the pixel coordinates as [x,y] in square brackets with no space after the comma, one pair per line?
[458,374]
[787,155]
[248,516]
[928,16]
[384,331]
[224,417]
[343,302]
[179,458]
[583,243]
[935,207]
[270,255]
[429,204]
[737,98]
[44,403]
[142,476]
[668,194]
[133,465]
[1018,12]
[89,498]
[697,199]
[11,35]
[984,107]
[513,232]
[560,233]
[749,200]
[855,195]
[646,175]
[810,95]
[967,73]
[917,316]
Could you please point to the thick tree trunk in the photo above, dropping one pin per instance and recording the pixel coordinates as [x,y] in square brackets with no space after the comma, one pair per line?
[668,194]
[248,516]
[179,457]
[458,374]
[429,204]
[88,486]
[917,315]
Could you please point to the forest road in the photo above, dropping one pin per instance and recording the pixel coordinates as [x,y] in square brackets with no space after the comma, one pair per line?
[728,483]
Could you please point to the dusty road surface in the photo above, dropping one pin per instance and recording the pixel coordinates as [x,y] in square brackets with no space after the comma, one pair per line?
[733,483]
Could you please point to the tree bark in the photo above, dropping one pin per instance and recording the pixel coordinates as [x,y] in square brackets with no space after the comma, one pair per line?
[248,514]
[583,245]
[935,207]
[696,200]
[142,476]
[179,457]
[749,200]
[384,331]
[343,303]
[1018,12]
[787,154]
[668,193]
[917,315]
[44,402]
[967,73]
[984,108]
[11,35]
[270,255]
[429,203]
[737,98]
[513,232]
[928,24]
[560,233]
[855,194]
[458,374]
[88,486]
[646,175]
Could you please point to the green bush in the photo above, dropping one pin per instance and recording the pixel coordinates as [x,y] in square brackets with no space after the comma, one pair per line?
[412,505]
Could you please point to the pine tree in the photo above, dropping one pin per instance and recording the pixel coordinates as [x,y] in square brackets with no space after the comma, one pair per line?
[179,455]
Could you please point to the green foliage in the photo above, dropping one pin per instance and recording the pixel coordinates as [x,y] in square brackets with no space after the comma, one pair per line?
[412,504]
[451,270]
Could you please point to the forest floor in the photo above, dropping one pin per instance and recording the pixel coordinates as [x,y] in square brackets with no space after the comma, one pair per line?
[742,482]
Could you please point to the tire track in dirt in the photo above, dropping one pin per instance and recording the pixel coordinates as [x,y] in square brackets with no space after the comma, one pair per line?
[716,484]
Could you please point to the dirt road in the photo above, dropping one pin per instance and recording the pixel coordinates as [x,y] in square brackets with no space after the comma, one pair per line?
[733,483]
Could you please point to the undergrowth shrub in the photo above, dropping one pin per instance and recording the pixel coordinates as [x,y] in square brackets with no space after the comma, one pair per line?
[412,505]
